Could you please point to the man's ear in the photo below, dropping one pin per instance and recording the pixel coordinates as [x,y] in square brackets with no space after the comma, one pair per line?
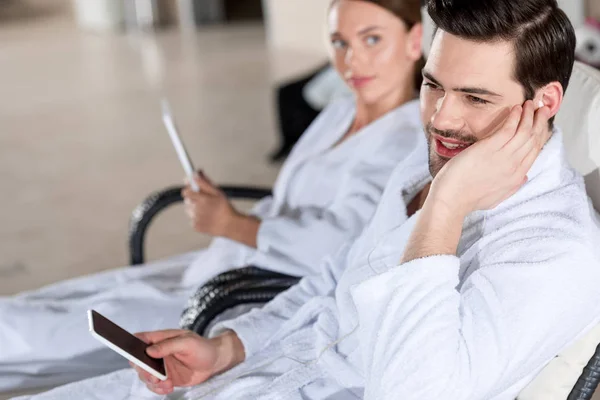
[414,44]
[550,96]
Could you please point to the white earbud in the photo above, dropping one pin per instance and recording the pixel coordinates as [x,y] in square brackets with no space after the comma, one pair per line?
[541,104]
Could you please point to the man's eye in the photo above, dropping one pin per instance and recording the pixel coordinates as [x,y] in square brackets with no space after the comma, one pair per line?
[372,40]
[431,86]
[338,43]
[477,100]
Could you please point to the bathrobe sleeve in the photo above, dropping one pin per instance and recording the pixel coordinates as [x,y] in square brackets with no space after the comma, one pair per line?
[532,295]
[257,328]
[306,235]
[262,207]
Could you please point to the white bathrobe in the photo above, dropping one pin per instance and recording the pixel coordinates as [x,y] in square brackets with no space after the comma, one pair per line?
[324,196]
[477,326]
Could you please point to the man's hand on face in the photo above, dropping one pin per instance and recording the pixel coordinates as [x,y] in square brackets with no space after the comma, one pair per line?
[479,178]
[189,358]
[494,168]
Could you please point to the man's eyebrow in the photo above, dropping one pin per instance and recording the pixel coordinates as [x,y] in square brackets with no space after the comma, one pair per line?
[469,90]
[430,77]
[476,90]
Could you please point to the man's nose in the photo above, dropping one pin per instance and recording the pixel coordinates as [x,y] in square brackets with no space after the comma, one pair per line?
[448,114]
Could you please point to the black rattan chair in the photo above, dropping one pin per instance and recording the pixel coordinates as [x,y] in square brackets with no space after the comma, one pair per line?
[225,291]
[244,286]
[144,214]
[589,379]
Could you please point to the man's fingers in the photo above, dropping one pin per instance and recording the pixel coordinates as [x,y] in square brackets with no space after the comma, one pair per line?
[167,347]
[161,388]
[497,123]
[538,137]
[529,160]
[164,385]
[526,123]
[525,128]
[524,149]
[159,336]
[507,130]
[152,382]
[143,375]
[143,336]
[540,124]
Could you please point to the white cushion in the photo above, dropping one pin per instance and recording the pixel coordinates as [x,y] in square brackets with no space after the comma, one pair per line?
[557,379]
[579,118]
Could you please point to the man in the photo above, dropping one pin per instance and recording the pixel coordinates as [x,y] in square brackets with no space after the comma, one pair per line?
[467,299]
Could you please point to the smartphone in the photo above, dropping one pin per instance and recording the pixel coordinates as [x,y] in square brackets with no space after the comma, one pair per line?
[182,153]
[124,343]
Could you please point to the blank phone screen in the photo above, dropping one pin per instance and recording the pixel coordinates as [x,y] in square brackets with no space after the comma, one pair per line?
[125,341]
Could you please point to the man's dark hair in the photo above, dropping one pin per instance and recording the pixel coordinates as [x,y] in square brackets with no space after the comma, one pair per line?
[543,37]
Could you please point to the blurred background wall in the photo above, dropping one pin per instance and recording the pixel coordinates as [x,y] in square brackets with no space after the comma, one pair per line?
[594,8]
[297,24]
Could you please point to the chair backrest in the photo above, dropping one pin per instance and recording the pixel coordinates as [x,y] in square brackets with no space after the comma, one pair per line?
[579,119]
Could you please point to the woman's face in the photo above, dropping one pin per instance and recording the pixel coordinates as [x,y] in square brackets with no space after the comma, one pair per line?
[372,49]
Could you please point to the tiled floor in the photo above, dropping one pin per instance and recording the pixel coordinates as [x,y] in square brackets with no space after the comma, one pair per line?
[81,140]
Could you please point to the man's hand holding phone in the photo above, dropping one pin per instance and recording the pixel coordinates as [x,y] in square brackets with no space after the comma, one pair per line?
[189,359]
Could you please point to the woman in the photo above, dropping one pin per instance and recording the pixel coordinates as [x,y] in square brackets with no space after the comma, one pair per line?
[325,194]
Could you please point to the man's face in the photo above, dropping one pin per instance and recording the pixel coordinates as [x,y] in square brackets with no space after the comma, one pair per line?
[468,89]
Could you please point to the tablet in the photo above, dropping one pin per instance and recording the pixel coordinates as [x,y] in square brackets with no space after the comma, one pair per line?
[125,344]
[182,154]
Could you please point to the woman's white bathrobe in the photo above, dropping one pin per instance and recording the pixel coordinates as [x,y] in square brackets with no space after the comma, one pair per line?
[324,196]
[477,326]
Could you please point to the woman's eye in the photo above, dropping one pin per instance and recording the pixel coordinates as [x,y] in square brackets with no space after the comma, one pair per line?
[338,43]
[477,100]
[372,40]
